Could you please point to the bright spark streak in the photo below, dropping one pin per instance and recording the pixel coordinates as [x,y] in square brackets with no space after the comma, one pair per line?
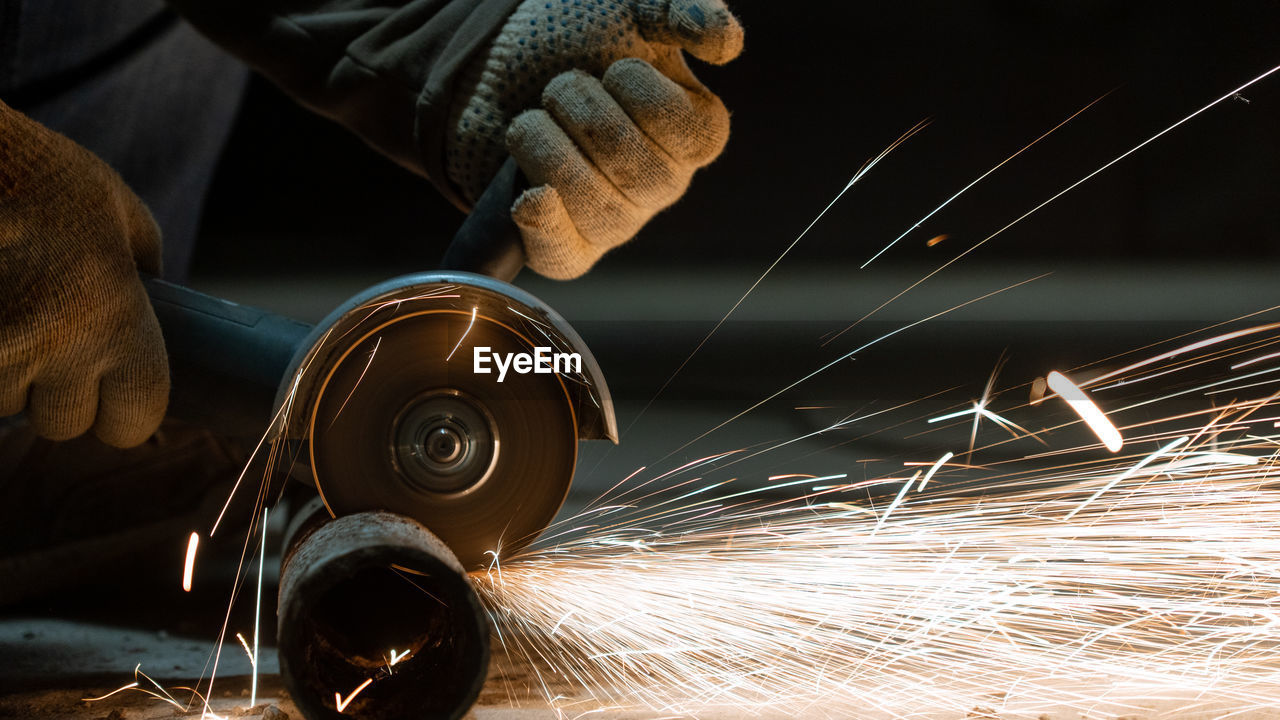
[342,704]
[933,469]
[257,612]
[978,410]
[1087,410]
[465,333]
[853,181]
[1199,345]
[1062,192]
[1269,356]
[397,657]
[897,500]
[1128,474]
[368,364]
[160,693]
[954,415]
[966,188]
[1210,459]
[1042,587]
[854,352]
[253,662]
[189,567]
[130,686]
[281,413]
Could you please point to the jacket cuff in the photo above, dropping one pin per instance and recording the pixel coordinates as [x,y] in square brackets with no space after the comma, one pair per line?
[385,72]
[436,101]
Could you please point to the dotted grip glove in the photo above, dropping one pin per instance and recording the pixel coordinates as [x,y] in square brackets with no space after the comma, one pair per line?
[623,123]
[80,347]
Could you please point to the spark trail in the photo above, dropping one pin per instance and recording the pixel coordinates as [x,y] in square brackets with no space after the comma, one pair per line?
[1098,584]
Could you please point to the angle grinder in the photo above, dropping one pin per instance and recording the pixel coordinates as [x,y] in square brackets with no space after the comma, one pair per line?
[379,406]
[423,468]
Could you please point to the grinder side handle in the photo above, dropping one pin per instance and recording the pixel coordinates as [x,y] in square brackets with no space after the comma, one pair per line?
[489,241]
[225,360]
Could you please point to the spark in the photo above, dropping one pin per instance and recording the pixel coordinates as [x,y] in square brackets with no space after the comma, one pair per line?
[342,704]
[1268,356]
[1128,474]
[866,168]
[897,500]
[368,364]
[1086,409]
[979,179]
[252,660]
[465,333]
[257,613]
[396,658]
[936,239]
[1191,347]
[857,350]
[1096,583]
[978,410]
[276,421]
[130,686]
[160,693]
[1053,198]
[934,468]
[189,567]
[1210,458]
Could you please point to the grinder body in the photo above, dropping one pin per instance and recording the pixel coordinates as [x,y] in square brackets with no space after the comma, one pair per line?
[378,404]
[354,400]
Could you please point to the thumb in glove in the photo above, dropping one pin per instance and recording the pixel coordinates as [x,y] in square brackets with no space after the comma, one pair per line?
[623,123]
[80,348]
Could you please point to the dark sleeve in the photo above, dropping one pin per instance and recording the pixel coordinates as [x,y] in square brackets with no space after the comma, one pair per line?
[384,69]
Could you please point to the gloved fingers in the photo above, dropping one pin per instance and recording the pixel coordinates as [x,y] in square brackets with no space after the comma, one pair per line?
[547,156]
[688,121]
[705,28]
[611,140]
[15,386]
[142,233]
[63,407]
[552,244]
[135,393]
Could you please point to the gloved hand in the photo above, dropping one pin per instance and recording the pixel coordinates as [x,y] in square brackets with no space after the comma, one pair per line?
[80,347]
[623,124]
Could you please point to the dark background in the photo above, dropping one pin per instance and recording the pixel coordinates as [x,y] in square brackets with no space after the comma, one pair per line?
[822,87]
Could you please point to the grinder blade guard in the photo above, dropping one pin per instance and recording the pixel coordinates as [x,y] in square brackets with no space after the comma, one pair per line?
[386,412]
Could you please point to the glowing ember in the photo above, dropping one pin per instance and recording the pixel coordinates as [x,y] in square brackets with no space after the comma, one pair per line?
[342,703]
[188,567]
[1087,410]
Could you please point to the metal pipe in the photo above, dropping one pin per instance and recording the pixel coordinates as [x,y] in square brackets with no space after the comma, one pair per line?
[357,589]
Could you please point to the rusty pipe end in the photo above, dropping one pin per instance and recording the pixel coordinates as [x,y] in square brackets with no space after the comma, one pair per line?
[361,587]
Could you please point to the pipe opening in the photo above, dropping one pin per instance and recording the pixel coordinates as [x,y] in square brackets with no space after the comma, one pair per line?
[375,596]
[377,611]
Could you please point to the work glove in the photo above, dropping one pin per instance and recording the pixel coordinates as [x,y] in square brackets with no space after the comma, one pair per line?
[80,347]
[623,123]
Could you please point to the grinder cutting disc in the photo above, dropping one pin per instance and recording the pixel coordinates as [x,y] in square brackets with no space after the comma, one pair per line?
[402,422]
